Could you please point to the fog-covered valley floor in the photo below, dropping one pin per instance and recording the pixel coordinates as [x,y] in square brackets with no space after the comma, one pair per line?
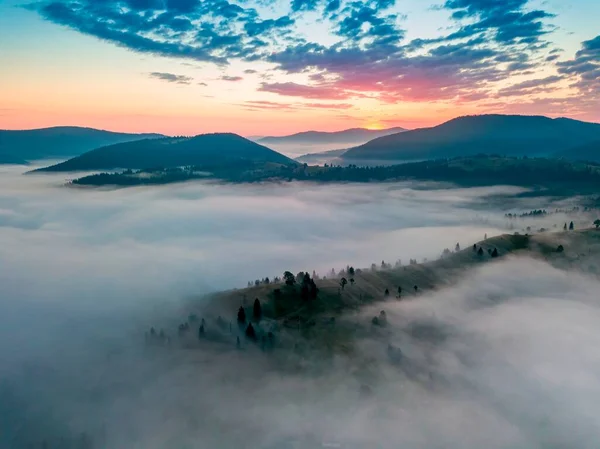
[508,357]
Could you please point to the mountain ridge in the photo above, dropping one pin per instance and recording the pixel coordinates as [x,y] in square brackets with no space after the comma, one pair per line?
[21,146]
[511,135]
[210,150]
[321,137]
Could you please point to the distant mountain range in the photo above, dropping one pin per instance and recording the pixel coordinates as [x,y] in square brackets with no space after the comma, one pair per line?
[351,135]
[205,150]
[507,135]
[321,157]
[18,147]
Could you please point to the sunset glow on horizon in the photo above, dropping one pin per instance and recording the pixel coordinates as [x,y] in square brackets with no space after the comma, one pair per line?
[186,67]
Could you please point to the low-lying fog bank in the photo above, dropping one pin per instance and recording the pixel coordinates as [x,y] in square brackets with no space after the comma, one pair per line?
[510,358]
[507,359]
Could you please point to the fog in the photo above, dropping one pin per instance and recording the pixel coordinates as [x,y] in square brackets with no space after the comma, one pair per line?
[511,358]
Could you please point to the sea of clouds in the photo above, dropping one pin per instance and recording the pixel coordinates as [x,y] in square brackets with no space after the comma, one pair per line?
[512,360]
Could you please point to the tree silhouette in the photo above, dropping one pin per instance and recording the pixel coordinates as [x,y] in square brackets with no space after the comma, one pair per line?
[289,278]
[474,247]
[343,282]
[560,249]
[495,253]
[457,248]
[257,310]
[241,317]
[571,226]
[387,292]
[416,288]
[399,292]
[565,227]
[597,223]
[351,271]
[250,332]
[201,331]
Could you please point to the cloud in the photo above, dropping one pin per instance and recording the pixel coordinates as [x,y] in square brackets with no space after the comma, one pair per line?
[212,31]
[506,356]
[299,90]
[172,78]
[508,22]
[288,107]
[231,78]
[585,67]
[366,53]
[527,87]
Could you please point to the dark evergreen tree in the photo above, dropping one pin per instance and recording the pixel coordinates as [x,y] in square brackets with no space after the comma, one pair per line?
[560,249]
[257,310]
[474,247]
[250,332]
[457,248]
[351,271]
[289,278]
[565,227]
[387,292]
[416,288]
[399,292]
[571,226]
[343,282]
[241,316]
[495,253]
[201,331]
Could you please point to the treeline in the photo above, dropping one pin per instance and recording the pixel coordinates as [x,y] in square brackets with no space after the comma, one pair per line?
[476,170]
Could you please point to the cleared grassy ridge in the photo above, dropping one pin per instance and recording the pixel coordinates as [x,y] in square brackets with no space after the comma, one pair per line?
[332,323]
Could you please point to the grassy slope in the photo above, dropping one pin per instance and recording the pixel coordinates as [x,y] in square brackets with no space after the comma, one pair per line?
[293,317]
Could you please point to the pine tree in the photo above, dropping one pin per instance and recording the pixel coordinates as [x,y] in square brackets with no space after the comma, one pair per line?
[250,332]
[257,310]
[241,317]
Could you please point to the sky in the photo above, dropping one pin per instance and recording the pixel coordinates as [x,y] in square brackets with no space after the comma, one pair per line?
[257,67]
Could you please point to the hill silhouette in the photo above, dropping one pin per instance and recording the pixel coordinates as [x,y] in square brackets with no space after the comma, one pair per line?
[507,135]
[57,142]
[586,152]
[203,151]
[346,136]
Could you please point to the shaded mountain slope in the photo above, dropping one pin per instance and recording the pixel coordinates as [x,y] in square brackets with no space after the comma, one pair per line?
[510,135]
[205,150]
[58,142]
[587,152]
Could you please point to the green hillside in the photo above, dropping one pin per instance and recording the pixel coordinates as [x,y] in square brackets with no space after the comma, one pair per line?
[206,150]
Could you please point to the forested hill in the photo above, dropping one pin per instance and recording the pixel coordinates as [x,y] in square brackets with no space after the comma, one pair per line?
[58,142]
[558,174]
[507,135]
[206,150]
